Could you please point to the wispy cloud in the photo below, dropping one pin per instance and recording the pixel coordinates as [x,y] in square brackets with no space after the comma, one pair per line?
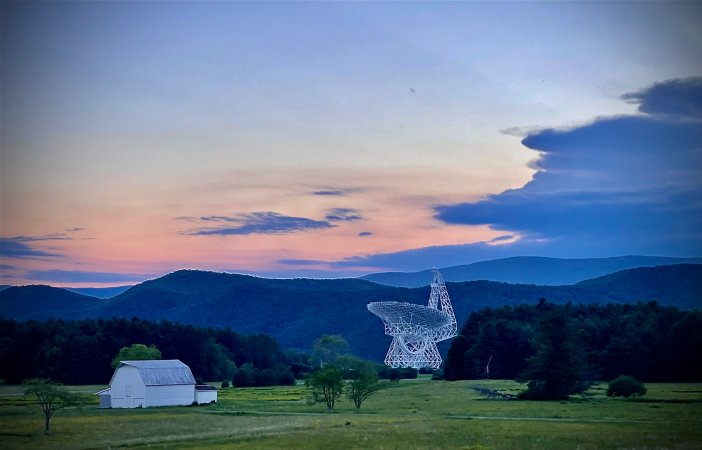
[258,223]
[343,215]
[17,247]
[335,192]
[330,193]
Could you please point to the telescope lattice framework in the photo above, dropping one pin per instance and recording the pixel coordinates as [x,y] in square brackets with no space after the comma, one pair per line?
[415,329]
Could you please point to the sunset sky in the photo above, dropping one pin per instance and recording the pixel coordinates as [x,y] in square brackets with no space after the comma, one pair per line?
[337,139]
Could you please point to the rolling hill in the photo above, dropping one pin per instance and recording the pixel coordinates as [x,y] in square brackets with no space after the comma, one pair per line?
[529,270]
[297,312]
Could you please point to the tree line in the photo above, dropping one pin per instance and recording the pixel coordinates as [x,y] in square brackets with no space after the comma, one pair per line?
[588,342]
[81,352]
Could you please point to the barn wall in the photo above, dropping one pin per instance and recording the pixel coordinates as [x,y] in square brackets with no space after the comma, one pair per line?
[127,388]
[172,395]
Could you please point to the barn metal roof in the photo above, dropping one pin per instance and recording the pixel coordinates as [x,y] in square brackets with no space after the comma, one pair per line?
[162,371]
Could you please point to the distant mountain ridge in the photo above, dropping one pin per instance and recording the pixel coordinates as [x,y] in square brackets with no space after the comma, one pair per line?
[106,292]
[529,270]
[298,311]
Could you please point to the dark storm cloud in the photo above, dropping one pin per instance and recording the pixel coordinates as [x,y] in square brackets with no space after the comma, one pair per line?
[258,223]
[631,182]
[681,97]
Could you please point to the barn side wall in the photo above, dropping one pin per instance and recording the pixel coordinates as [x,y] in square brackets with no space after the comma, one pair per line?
[171,395]
[127,388]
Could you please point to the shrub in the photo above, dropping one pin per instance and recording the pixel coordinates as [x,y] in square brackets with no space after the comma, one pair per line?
[625,386]
[225,384]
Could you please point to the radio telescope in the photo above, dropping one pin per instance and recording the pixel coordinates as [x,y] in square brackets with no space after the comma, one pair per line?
[415,329]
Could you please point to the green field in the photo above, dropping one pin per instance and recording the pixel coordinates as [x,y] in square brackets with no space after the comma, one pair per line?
[410,414]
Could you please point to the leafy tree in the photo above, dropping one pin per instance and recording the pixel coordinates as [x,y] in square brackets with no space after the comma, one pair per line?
[363,381]
[51,396]
[137,352]
[328,349]
[553,372]
[327,384]
[625,386]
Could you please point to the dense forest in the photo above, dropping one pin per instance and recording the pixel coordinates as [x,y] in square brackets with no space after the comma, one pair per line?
[645,340]
[80,352]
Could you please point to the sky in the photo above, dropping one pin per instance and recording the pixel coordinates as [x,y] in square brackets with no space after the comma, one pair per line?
[333,139]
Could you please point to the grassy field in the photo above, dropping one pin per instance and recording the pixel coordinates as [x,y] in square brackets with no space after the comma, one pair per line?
[411,414]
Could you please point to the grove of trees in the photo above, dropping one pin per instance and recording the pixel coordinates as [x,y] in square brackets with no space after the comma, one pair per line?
[82,352]
[581,342]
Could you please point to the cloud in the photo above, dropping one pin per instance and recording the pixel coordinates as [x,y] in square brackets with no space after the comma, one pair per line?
[680,97]
[365,233]
[343,215]
[258,223]
[335,192]
[449,255]
[626,184]
[7,267]
[79,276]
[16,247]
[330,193]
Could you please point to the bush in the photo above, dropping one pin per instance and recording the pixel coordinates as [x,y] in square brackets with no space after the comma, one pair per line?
[225,384]
[625,386]
[394,374]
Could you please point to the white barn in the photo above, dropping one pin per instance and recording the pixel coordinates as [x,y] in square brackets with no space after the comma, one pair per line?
[141,384]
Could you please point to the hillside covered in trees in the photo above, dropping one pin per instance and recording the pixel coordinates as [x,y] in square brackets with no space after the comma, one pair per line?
[646,340]
[297,312]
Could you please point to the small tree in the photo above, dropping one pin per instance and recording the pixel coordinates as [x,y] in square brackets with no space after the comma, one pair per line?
[327,384]
[51,396]
[137,352]
[625,386]
[363,381]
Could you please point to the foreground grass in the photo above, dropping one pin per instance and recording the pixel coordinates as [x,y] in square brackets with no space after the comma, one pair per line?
[407,415]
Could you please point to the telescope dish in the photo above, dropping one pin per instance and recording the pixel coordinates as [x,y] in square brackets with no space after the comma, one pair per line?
[416,329]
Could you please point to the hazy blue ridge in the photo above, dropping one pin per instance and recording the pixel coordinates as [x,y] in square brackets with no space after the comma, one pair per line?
[107,292]
[529,270]
[296,312]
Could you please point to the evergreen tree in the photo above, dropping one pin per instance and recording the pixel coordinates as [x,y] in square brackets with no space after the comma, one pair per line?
[553,372]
